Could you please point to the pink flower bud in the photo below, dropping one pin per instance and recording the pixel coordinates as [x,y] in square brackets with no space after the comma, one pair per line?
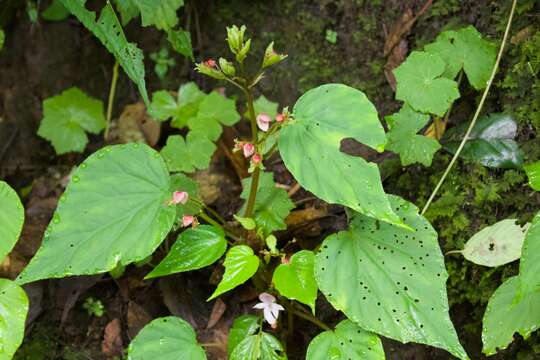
[210,63]
[187,220]
[179,197]
[263,121]
[256,159]
[280,117]
[249,149]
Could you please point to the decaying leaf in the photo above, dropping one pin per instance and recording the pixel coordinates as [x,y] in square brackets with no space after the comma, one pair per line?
[112,343]
[134,125]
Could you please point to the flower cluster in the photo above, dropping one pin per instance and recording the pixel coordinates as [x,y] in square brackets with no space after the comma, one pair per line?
[182,197]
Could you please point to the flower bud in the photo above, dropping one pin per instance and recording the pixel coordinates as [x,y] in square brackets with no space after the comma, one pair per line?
[256,159]
[249,149]
[227,67]
[179,197]
[208,67]
[241,55]
[187,220]
[263,121]
[271,57]
[235,38]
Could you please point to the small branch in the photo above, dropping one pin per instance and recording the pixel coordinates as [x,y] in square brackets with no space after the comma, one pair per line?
[112,92]
[294,190]
[311,319]
[478,110]
[255,177]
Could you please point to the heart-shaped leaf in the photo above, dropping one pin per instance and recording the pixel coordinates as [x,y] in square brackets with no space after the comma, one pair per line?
[11,219]
[113,212]
[167,338]
[347,341]
[322,118]
[194,249]
[389,280]
[240,265]
[13,310]
[296,280]
[242,327]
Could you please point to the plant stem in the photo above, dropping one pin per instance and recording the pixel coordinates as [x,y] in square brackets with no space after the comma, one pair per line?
[255,177]
[478,110]
[311,319]
[112,91]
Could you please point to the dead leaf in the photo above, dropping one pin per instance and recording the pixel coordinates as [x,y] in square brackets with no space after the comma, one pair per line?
[436,129]
[112,344]
[522,35]
[137,318]
[217,312]
[302,216]
[135,125]
[70,289]
[397,56]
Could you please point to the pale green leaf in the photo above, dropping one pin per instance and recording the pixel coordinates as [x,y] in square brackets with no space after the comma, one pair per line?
[163,106]
[190,154]
[218,107]
[67,117]
[166,338]
[180,41]
[263,105]
[261,346]
[347,341]
[194,249]
[240,265]
[242,327]
[296,280]
[389,280]
[322,118]
[404,140]
[444,47]
[55,12]
[109,31]
[421,84]
[160,13]
[205,125]
[533,174]
[128,10]
[529,266]
[13,311]
[113,212]
[11,219]
[246,222]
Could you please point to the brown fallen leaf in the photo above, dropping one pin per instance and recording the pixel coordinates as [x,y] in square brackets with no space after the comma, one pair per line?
[302,216]
[436,129]
[135,125]
[217,312]
[70,289]
[137,318]
[397,56]
[112,343]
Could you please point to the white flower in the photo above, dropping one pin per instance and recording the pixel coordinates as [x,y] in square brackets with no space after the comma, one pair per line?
[270,308]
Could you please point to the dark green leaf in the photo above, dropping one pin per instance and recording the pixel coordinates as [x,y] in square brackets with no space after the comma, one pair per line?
[261,346]
[55,11]
[242,327]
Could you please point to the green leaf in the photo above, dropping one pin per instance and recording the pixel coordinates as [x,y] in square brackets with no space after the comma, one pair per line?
[160,13]
[166,338]
[114,211]
[246,222]
[533,173]
[163,106]
[421,84]
[67,117]
[55,11]
[347,341]
[403,138]
[194,249]
[240,265]
[218,107]
[13,310]
[444,47]
[243,326]
[109,31]
[490,142]
[205,125]
[128,10]
[495,245]
[389,280]
[2,39]
[180,110]
[322,118]
[529,266]
[180,182]
[180,41]
[296,280]
[261,346]
[263,105]
[190,154]
[11,219]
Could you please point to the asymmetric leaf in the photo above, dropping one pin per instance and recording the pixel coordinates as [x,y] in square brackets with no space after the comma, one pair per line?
[347,341]
[533,173]
[13,310]
[180,41]
[296,280]
[194,249]
[109,31]
[261,346]
[160,13]
[67,117]
[166,338]
[390,280]
[322,118]
[240,265]
[190,154]
[11,219]
[113,212]
[403,138]
[242,327]
[421,84]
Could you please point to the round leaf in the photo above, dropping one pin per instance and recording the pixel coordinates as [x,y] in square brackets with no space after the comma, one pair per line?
[296,280]
[242,327]
[194,249]
[347,341]
[261,346]
[13,310]
[11,219]
[322,118]
[389,280]
[167,338]
[113,212]
[240,265]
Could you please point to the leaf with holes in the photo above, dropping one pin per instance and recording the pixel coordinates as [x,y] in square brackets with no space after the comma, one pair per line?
[190,154]
[67,117]
[166,338]
[322,118]
[495,245]
[13,311]
[296,280]
[109,31]
[347,341]
[261,346]
[180,41]
[240,265]
[11,219]
[113,212]
[194,249]
[389,280]
[533,174]
[160,13]
[243,326]
[404,140]
[421,84]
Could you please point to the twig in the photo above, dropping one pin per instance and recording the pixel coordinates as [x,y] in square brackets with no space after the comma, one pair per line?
[478,110]
[112,92]
[294,190]
[311,319]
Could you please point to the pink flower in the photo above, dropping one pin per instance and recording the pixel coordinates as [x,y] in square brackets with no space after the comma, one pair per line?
[256,158]
[179,197]
[187,220]
[249,149]
[263,121]
[210,63]
[270,308]
[280,117]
